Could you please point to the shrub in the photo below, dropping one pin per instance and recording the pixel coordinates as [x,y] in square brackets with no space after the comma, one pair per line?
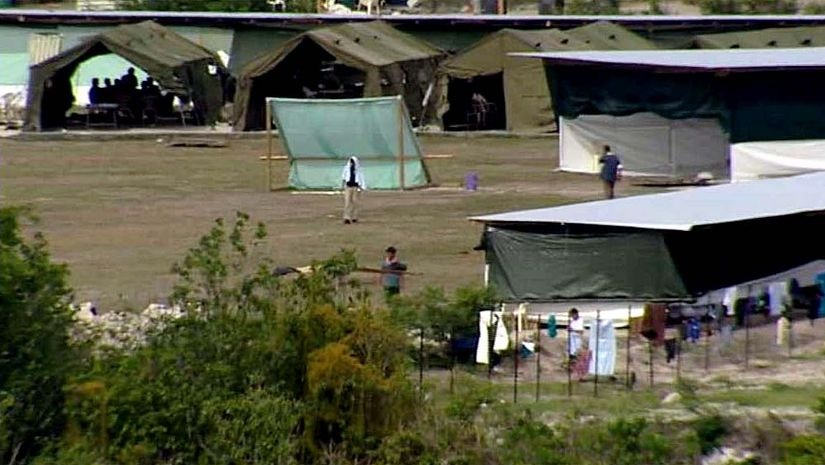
[710,430]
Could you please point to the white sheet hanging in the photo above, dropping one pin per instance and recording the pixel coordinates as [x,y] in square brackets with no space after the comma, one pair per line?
[483,349]
[502,340]
[603,349]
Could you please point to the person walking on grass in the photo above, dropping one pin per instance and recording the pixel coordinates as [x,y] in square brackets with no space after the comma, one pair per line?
[352,180]
[392,271]
[611,171]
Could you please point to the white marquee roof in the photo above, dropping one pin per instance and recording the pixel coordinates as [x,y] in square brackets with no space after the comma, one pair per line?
[684,210]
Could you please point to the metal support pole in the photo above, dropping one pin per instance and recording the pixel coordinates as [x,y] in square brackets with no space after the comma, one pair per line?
[268,147]
[747,336]
[707,347]
[678,357]
[569,361]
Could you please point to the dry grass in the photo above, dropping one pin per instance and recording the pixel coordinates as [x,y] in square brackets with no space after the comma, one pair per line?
[121,212]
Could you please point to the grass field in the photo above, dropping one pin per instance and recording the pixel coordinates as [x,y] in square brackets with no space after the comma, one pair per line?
[121,212]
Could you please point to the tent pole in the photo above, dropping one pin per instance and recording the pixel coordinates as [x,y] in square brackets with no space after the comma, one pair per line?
[268,147]
[401,143]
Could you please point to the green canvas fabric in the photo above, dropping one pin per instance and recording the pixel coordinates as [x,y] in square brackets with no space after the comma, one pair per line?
[394,63]
[528,105]
[320,135]
[765,38]
[14,70]
[177,63]
[604,35]
[536,265]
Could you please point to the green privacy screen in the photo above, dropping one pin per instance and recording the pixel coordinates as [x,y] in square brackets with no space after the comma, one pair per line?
[320,135]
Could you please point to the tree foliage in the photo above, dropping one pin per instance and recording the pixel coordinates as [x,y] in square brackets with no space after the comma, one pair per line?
[752,7]
[35,356]
[234,6]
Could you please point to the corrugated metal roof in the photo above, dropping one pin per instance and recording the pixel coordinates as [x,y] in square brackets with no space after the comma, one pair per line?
[684,210]
[693,60]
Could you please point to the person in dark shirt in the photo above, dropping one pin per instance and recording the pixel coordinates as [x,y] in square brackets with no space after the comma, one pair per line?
[129,81]
[107,92]
[611,170]
[95,93]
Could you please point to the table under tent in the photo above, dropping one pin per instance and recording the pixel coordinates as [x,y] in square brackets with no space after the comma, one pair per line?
[180,67]
[483,87]
[676,113]
[351,60]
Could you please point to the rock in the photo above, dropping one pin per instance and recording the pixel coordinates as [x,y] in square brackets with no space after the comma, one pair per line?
[672,398]
[729,456]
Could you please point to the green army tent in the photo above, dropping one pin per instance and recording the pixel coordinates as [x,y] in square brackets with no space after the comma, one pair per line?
[343,61]
[514,88]
[516,85]
[604,35]
[766,38]
[320,135]
[177,64]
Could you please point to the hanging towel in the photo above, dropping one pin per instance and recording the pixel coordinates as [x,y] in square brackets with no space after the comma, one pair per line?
[522,310]
[483,349]
[820,279]
[654,323]
[575,328]
[777,295]
[502,340]
[602,348]
[783,326]
[729,300]
[552,330]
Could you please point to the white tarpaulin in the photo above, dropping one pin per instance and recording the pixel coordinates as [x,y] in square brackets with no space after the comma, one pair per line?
[647,144]
[757,160]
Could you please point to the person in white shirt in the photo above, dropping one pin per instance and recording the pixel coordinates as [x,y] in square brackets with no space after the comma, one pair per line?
[575,328]
[352,180]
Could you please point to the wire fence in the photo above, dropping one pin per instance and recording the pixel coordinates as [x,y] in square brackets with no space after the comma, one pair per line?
[721,352]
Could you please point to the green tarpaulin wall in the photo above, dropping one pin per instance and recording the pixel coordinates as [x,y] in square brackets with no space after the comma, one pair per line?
[527,103]
[320,135]
[545,261]
[752,106]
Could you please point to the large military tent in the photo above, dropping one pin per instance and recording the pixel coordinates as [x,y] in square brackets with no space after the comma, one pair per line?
[364,59]
[673,245]
[515,87]
[728,96]
[792,37]
[179,65]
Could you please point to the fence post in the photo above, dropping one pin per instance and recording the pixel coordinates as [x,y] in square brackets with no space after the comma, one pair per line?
[421,363]
[627,356]
[650,353]
[569,361]
[707,346]
[538,358]
[516,348]
[747,336]
[596,360]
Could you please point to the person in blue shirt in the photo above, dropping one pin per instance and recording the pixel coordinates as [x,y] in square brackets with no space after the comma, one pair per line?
[611,170]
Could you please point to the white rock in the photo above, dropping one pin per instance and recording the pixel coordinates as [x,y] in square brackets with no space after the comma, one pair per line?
[672,398]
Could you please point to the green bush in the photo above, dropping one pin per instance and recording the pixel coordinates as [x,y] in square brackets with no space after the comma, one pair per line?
[804,450]
[710,430]
[732,7]
[36,358]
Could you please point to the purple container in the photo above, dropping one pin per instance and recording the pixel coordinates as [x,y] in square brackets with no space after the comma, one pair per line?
[471,181]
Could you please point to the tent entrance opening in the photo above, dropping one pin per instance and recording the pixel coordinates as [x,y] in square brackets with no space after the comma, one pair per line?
[476,104]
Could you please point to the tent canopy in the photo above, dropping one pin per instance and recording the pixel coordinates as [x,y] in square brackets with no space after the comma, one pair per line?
[664,246]
[757,160]
[765,38]
[527,103]
[177,64]
[686,210]
[755,94]
[320,136]
[391,63]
